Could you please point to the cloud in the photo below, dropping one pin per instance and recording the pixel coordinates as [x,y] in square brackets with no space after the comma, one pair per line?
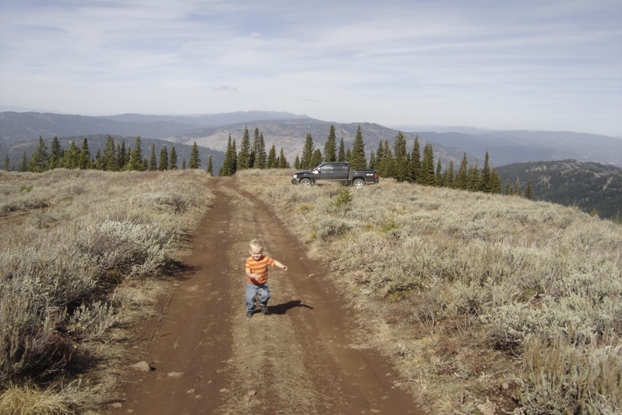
[441,62]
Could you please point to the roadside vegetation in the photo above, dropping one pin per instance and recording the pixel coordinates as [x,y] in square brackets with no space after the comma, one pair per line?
[84,254]
[485,303]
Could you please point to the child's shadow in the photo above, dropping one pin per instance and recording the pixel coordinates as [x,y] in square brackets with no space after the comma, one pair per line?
[282,308]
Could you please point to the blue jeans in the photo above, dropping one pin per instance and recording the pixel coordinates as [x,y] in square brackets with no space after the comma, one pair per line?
[260,291]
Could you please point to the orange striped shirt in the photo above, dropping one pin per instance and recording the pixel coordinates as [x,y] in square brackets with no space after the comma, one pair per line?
[259,267]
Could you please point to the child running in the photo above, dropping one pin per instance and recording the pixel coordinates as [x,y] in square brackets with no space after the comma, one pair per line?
[257,272]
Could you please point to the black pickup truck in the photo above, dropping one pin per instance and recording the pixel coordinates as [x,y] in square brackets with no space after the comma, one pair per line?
[335,172]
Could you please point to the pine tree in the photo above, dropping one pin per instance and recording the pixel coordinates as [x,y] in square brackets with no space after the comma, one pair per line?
[24,165]
[210,168]
[272,161]
[462,176]
[414,166]
[163,165]
[528,191]
[56,153]
[496,185]
[508,188]
[283,164]
[307,153]
[172,164]
[71,157]
[229,165]
[439,175]
[297,163]
[386,164]
[245,151]
[136,156]
[122,156]
[316,158]
[98,165]
[109,159]
[153,161]
[341,155]
[85,156]
[195,161]
[373,164]
[399,150]
[39,160]
[427,166]
[260,159]
[330,147]
[474,181]
[358,160]
[349,155]
[486,178]
[448,179]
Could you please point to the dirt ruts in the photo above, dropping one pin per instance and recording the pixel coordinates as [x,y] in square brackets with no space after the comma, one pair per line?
[210,358]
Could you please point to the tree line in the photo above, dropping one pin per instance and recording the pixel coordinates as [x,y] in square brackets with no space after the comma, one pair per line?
[252,155]
[116,157]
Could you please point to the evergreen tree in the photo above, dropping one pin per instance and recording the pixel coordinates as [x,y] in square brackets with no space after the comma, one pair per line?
[260,159]
[98,161]
[373,164]
[24,165]
[229,165]
[153,161]
[297,163]
[427,166]
[439,175]
[136,156]
[508,188]
[528,191]
[358,161]
[210,168]
[386,164]
[122,156]
[316,158]
[283,164]
[86,161]
[307,153]
[195,161]
[462,176]
[399,149]
[109,160]
[474,181]
[349,155]
[71,157]
[183,164]
[163,165]
[172,163]
[414,166]
[330,147]
[39,160]
[145,164]
[341,155]
[448,179]
[245,151]
[272,161]
[56,153]
[496,185]
[517,187]
[486,178]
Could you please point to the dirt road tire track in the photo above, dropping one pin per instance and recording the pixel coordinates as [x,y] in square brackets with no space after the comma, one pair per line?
[209,358]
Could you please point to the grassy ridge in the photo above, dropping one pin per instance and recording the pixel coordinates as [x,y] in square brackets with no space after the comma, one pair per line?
[75,246]
[481,299]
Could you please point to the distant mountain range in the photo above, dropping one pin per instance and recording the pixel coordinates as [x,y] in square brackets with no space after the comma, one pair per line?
[592,187]
[289,131]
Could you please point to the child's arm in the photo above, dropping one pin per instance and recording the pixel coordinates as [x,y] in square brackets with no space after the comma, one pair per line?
[280,265]
[252,276]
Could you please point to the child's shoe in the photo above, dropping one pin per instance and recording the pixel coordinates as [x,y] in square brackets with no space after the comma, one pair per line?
[249,314]
[264,309]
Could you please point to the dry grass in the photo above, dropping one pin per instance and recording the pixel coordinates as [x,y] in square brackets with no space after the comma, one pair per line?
[80,250]
[29,400]
[464,287]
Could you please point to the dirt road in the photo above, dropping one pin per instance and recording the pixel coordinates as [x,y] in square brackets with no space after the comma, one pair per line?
[210,358]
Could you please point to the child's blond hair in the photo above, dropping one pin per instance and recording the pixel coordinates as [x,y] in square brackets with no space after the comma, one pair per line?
[256,245]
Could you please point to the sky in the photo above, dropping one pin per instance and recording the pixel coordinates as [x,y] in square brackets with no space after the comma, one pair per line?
[551,65]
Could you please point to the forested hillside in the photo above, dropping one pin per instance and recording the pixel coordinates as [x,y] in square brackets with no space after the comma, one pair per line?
[592,187]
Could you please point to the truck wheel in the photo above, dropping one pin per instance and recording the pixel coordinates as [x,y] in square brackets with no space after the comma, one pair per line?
[358,183]
[306,182]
